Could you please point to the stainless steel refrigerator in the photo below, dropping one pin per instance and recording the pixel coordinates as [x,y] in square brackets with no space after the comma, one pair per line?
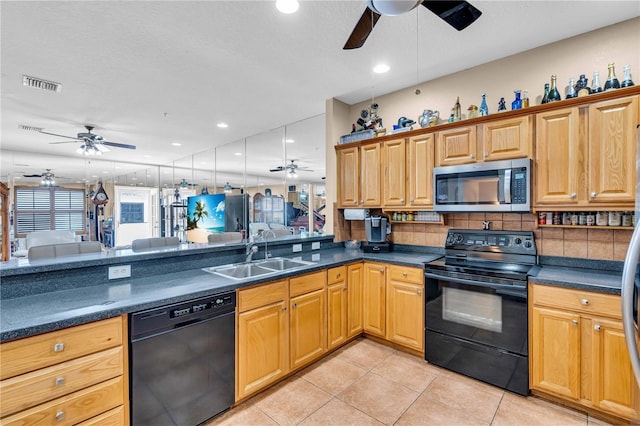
[631,284]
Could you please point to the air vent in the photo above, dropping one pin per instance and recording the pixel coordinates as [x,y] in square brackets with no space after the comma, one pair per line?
[29,128]
[41,84]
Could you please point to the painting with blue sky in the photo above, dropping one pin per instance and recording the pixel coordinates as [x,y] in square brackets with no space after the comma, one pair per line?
[206,212]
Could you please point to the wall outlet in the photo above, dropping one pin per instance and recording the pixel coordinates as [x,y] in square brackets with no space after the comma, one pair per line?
[315,245]
[315,257]
[121,271]
[297,248]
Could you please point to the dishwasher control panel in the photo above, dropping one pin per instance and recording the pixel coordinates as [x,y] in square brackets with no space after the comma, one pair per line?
[203,305]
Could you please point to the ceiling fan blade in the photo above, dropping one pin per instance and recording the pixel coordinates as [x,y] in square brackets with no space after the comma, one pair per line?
[62,136]
[458,14]
[31,176]
[362,29]
[118,145]
[55,143]
[277,169]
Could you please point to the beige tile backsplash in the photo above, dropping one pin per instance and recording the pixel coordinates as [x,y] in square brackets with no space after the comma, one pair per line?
[595,243]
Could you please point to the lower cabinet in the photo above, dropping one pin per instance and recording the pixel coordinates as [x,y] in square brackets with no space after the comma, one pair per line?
[373,298]
[355,277]
[337,307]
[71,376]
[307,318]
[578,351]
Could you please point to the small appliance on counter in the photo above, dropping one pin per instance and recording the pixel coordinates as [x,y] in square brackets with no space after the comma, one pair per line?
[376,228]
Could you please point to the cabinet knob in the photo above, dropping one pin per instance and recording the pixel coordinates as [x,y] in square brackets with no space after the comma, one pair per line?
[486,154]
[472,156]
[294,305]
[596,327]
[60,415]
[284,308]
[419,291]
[404,274]
[361,201]
[402,200]
[338,276]
[344,289]
[58,347]
[585,302]
[411,200]
[593,195]
[574,195]
[574,322]
[381,270]
[59,381]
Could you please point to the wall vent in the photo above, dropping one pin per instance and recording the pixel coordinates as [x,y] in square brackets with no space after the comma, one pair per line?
[38,83]
[29,128]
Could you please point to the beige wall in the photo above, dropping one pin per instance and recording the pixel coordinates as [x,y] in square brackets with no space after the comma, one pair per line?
[529,70]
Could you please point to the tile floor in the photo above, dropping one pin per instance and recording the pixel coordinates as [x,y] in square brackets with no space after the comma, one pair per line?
[366,383]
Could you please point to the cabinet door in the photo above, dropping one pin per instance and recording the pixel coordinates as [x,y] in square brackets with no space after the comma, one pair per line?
[307,325]
[405,314]
[613,382]
[348,177]
[263,348]
[337,314]
[456,146]
[612,150]
[420,165]
[370,175]
[506,139]
[394,160]
[354,299]
[555,352]
[373,299]
[560,161]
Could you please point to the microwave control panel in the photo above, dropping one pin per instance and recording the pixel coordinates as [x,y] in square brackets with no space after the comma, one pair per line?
[519,185]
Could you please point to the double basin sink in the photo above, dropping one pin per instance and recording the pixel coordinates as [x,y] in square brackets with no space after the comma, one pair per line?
[257,268]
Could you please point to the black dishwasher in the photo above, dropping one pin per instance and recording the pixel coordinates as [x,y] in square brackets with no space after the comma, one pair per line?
[182,361]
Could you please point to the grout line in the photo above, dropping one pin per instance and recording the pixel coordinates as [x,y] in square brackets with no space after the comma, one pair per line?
[497,408]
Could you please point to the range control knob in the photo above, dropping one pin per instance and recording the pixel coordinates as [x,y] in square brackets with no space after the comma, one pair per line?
[528,244]
[458,238]
[517,241]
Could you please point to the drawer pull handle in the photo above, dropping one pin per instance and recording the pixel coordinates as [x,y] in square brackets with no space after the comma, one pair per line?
[404,274]
[338,276]
[574,322]
[58,347]
[419,291]
[60,415]
[59,381]
[596,327]
[585,302]
[382,270]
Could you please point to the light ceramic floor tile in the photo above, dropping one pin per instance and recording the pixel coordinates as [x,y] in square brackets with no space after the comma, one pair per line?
[520,410]
[333,375]
[427,412]
[378,397]
[476,399]
[243,415]
[336,412]
[292,401]
[409,371]
[592,421]
[364,353]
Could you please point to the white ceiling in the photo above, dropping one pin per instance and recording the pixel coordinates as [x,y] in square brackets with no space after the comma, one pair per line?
[153,73]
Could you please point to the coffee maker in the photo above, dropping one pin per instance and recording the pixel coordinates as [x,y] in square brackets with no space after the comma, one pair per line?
[376,228]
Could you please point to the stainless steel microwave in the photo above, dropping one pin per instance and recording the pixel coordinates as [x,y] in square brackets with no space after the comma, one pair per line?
[492,186]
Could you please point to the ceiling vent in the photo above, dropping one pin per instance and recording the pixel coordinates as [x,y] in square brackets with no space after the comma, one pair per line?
[29,128]
[38,83]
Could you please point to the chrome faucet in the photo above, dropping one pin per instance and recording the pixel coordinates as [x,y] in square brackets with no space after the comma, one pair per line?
[251,249]
[264,235]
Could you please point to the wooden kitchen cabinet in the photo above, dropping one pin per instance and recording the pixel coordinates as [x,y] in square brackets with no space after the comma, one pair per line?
[262,353]
[359,177]
[578,351]
[405,306]
[307,318]
[420,170]
[457,145]
[72,375]
[507,139]
[373,298]
[370,175]
[355,277]
[394,165]
[348,177]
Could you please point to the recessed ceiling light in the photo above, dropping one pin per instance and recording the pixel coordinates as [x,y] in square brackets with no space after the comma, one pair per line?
[289,141]
[176,144]
[94,176]
[237,153]
[105,171]
[223,125]
[287,6]
[146,156]
[381,68]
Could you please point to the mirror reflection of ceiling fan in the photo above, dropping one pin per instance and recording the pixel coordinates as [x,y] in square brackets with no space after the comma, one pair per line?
[47,178]
[291,169]
[458,14]
[92,144]
[186,184]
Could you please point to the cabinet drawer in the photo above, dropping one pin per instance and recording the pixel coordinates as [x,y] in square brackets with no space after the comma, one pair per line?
[306,283]
[577,300]
[30,389]
[254,297]
[113,417]
[335,275]
[33,353]
[73,408]
[407,274]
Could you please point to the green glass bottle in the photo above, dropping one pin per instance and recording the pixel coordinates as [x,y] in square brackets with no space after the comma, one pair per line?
[545,96]
[554,94]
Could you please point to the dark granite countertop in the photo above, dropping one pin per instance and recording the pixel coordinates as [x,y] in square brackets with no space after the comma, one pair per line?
[602,281]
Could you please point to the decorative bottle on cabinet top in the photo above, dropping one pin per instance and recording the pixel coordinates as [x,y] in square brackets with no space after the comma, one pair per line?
[525,98]
[545,96]
[582,86]
[612,81]
[501,105]
[517,102]
[571,90]
[595,84]
[457,110]
[484,109]
[626,79]
[554,95]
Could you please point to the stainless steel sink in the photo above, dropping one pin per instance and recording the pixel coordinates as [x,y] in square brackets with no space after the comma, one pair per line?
[257,268]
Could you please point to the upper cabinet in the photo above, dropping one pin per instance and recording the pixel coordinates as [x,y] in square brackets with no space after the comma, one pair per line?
[394,165]
[456,146]
[359,176]
[585,155]
[420,169]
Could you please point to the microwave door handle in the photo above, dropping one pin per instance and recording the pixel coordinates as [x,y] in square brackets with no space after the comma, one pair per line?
[507,186]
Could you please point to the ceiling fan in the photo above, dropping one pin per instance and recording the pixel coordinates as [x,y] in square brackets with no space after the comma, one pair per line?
[291,169]
[458,14]
[185,184]
[92,144]
[48,178]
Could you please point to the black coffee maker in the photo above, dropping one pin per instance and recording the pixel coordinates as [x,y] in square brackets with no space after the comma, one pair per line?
[376,228]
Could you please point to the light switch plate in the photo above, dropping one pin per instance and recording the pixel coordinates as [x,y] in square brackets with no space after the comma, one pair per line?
[297,248]
[315,257]
[315,245]
[121,271]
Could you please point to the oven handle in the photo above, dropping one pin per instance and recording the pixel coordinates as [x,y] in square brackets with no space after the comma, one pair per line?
[476,283]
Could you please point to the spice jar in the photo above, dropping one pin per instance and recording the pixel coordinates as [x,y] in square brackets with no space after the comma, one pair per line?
[556,218]
[410,216]
[582,219]
[591,219]
[542,218]
[574,218]
[614,219]
[626,219]
[601,219]
[566,218]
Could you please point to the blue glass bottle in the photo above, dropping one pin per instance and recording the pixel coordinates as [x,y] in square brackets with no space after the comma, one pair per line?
[484,109]
[517,102]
